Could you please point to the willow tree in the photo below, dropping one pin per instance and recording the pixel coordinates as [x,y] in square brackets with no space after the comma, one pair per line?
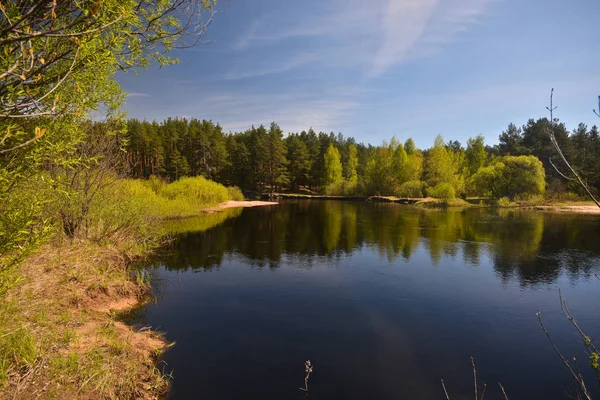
[58,60]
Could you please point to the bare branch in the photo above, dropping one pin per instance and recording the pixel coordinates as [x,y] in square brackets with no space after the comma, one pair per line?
[575,376]
[560,173]
[33,139]
[560,153]
[445,391]
[474,376]
[503,391]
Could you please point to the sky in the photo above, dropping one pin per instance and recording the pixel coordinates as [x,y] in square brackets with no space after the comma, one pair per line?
[381,68]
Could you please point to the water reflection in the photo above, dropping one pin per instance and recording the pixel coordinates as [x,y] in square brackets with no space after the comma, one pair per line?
[529,246]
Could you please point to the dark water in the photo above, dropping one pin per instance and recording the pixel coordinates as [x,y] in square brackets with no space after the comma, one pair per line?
[386,300]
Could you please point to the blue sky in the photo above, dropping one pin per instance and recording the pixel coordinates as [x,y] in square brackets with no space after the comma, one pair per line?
[378,68]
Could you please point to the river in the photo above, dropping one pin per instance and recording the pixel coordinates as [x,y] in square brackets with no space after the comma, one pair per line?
[385,300]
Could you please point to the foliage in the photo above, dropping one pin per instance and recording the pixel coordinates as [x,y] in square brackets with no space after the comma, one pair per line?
[333,166]
[57,64]
[442,190]
[234,193]
[412,189]
[475,154]
[352,175]
[511,176]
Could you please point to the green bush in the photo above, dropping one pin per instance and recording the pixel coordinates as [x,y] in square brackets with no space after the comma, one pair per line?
[343,188]
[198,190]
[504,202]
[235,193]
[130,210]
[442,190]
[412,189]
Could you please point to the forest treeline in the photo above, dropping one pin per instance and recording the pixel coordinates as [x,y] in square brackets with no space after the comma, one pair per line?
[262,159]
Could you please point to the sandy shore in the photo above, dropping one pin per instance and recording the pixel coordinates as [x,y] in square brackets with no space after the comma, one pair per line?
[235,204]
[576,209]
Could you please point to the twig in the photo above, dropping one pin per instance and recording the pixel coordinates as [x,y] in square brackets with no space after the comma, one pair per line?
[474,376]
[483,391]
[560,153]
[445,391]
[503,392]
[579,381]
[565,310]
[560,173]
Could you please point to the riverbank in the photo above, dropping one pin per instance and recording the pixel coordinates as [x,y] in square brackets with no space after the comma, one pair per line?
[62,333]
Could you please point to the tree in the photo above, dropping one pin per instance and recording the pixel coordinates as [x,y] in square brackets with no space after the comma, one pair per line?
[299,161]
[439,166]
[475,154]
[511,141]
[511,176]
[333,166]
[275,158]
[352,176]
[59,58]
[57,63]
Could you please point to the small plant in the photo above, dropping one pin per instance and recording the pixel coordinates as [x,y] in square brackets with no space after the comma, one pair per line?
[142,279]
[308,368]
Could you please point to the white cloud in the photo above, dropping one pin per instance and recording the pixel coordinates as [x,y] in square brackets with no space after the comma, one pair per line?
[403,24]
[378,34]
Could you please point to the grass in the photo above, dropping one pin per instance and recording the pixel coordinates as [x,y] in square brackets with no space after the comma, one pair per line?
[58,328]
[60,331]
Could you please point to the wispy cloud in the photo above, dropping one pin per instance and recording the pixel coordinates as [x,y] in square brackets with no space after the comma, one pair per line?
[403,24]
[380,34]
[271,67]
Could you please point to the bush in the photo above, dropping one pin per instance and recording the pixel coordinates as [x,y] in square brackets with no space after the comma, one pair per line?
[197,190]
[412,189]
[565,196]
[442,190]
[130,210]
[504,202]
[343,188]
[235,193]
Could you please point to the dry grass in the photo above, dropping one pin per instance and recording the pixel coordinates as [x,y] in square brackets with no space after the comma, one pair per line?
[59,335]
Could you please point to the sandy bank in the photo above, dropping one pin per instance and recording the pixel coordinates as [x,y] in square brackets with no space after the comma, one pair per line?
[591,209]
[239,204]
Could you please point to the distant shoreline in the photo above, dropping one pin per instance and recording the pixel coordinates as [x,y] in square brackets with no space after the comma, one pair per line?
[582,207]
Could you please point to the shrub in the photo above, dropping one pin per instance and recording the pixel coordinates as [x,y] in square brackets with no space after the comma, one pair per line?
[343,188]
[504,202]
[235,193]
[442,190]
[130,210]
[411,189]
[198,190]
[510,176]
